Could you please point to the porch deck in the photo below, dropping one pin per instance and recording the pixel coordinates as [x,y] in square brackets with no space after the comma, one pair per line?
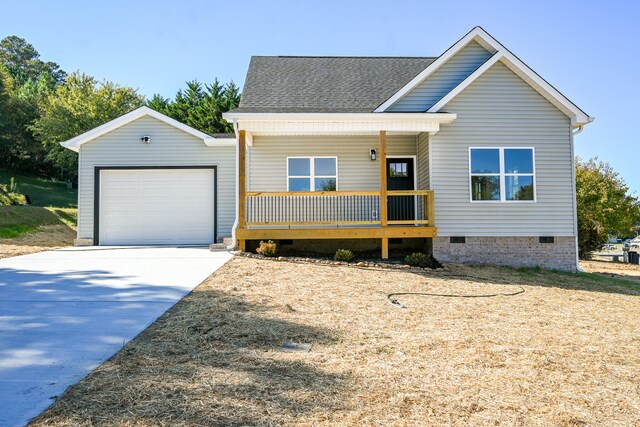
[391,232]
[338,215]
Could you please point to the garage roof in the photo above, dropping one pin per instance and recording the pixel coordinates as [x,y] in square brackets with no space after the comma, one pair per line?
[75,143]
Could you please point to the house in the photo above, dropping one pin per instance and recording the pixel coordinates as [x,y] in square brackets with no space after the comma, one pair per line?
[468,155]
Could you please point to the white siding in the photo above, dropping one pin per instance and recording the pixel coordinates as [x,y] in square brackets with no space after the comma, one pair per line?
[267,159]
[500,109]
[169,147]
[423,161]
[438,84]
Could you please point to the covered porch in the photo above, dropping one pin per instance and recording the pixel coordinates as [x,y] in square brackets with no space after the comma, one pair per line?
[339,215]
[390,211]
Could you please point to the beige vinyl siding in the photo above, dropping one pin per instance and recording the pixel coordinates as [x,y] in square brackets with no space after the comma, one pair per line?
[422,161]
[438,84]
[267,159]
[500,109]
[169,147]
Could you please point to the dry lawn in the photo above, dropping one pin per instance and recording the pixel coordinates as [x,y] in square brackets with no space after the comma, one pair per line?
[612,269]
[47,237]
[565,352]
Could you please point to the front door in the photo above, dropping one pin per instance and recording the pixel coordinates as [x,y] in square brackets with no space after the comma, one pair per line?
[400,176]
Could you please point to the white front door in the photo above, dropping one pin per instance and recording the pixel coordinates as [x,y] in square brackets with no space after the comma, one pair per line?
[156,206]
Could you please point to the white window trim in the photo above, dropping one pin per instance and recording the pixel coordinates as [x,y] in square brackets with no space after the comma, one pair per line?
[502,175]
[312,176]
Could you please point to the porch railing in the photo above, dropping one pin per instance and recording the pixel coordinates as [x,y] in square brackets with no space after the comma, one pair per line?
[339,208]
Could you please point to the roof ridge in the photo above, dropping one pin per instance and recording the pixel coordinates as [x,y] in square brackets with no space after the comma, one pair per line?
[344,56]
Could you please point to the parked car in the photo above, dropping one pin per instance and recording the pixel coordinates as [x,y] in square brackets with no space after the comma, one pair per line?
[609,247]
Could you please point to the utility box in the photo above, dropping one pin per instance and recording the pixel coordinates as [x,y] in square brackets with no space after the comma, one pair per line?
[634,258]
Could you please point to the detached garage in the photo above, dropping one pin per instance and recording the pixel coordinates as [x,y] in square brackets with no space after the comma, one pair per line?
[146,179]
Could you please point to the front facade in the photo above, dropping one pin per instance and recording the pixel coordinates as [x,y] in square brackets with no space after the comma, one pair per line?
[468,155]
[473,154]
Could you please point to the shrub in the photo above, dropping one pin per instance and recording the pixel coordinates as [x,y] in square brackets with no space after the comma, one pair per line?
[418,259]
[267,248]
[343,255]
[8,197]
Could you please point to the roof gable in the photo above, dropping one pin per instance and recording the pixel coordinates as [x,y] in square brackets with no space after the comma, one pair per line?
[75,143]
[449,75]
[500,95]
[500,53]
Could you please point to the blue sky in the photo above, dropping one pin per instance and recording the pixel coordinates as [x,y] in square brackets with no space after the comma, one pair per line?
[588,50]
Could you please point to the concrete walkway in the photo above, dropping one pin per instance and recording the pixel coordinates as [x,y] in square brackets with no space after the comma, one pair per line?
[64,312]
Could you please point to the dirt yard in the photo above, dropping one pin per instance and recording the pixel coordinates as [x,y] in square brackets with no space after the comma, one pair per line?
[47,237]
[565,352]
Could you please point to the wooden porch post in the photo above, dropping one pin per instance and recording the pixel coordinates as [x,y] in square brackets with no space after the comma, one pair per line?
[242,185]
[382,155]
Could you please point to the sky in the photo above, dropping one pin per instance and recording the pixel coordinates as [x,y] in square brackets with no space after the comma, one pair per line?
[588,50]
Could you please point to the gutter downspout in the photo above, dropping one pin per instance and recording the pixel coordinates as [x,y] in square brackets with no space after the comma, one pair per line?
[232,246]
[575,202]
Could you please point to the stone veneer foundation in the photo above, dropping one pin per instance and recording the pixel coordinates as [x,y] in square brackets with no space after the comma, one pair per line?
[510,251]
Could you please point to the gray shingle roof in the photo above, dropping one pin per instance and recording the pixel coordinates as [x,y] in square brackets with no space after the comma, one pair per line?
[305,84]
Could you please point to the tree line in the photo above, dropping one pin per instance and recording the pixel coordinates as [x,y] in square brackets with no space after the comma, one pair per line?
[42,105]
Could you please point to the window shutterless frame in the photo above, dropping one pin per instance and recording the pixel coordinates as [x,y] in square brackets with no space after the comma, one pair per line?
[503,175]
[312,177]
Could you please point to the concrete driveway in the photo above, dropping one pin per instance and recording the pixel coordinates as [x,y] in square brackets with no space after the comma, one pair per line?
[64,312]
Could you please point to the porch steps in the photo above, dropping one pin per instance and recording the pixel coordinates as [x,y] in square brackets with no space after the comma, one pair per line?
[218,247]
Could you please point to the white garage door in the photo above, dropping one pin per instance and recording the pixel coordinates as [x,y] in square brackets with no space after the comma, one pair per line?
[156,206]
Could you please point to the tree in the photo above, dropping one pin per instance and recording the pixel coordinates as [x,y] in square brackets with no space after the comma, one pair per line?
[18,108]
[25,81]
[604,205]
[6,83]
[79,105]
[158,103]
[199,106]
[23,62]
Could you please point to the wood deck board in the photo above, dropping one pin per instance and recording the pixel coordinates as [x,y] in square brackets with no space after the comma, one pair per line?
[336,233]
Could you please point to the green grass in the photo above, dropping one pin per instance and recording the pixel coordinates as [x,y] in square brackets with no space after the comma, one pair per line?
[603,278]
[11,231]
[16,221]
[43,192]
[581,278]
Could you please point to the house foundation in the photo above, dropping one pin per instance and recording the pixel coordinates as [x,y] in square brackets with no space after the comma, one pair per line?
[557,253]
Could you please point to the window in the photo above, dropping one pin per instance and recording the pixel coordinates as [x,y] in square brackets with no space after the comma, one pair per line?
[502,174]
[398,170]
[312,173]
